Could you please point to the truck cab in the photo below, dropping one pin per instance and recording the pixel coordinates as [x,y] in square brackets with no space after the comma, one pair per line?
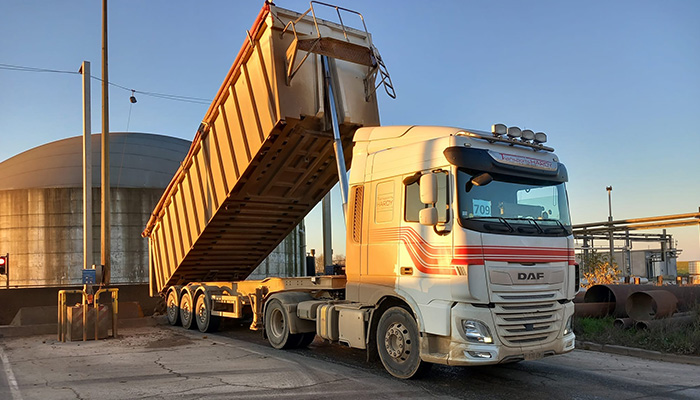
[468,232]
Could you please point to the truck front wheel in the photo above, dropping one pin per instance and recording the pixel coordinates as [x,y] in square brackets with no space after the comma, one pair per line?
[398,344]
[277,326]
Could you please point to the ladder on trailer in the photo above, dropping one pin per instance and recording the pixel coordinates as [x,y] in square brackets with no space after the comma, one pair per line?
[329,48]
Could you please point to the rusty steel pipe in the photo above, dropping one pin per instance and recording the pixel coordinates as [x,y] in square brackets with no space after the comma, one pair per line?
[594,310]
[687,296]
[623,323]
[615,294]
[651,304]
[681,320]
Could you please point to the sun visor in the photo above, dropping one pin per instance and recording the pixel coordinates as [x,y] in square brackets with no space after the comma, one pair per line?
[481,160]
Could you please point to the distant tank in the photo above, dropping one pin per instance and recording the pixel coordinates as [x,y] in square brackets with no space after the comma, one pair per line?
[41,210]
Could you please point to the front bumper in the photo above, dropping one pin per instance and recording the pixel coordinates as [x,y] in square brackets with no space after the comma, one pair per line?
[456,350]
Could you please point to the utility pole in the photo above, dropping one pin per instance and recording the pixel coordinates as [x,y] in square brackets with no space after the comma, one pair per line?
[87,167]
[105,226]
[327,235]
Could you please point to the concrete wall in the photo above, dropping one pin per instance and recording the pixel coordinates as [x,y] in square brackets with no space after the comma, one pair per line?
[42,231]
[14,299]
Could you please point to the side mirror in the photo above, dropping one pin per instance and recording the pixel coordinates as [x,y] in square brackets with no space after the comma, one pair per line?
[428,189]
[428,216]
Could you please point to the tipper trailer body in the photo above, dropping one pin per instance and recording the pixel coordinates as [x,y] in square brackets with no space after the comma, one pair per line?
[459,244]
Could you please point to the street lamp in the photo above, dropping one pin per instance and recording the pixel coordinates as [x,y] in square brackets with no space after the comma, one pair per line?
[610,219]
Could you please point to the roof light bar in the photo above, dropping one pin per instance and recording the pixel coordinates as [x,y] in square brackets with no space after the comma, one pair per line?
[499,129]
[527,135]
[540,137]
[514,132]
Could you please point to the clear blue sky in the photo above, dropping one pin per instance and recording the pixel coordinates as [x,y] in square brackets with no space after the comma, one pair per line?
[615,84]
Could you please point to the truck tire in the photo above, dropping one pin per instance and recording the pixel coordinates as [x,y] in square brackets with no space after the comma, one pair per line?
[186,310]
[202,314]
[277,327]
[398,344]
[172,308]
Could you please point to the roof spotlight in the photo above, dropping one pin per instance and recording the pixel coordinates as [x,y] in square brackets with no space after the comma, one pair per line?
[514,132]
[498,129]
[540,137]
[527,135]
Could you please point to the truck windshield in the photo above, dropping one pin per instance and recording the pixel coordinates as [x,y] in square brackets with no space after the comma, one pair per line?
[511,205]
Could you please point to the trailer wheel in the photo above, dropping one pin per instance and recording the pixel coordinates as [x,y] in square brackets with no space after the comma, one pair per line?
[186,310]
[172,308]
[277,327]
[399,345]
[205,321]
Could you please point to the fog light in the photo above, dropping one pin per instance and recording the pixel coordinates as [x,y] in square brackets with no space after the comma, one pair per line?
[479,354]
[476,331]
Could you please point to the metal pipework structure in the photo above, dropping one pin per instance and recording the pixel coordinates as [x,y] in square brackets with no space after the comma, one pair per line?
[666,221]
[620,230]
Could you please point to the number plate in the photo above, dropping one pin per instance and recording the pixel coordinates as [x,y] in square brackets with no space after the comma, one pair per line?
[534,356]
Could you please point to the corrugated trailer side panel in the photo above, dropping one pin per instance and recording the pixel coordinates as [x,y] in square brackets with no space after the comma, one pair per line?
[261,160]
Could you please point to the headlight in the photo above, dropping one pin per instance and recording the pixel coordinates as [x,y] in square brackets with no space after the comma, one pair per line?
[569,326]
[476,331]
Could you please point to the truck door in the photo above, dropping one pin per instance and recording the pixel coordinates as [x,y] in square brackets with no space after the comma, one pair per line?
[382,249]
[425,256]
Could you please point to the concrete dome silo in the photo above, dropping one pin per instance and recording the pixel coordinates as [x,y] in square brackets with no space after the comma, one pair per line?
[41,211]
[41,207]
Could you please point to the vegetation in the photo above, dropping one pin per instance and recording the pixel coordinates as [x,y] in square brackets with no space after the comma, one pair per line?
[598,270]
[667,338]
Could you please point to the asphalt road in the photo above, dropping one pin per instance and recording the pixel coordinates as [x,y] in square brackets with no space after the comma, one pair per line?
[578,375]
[165,362]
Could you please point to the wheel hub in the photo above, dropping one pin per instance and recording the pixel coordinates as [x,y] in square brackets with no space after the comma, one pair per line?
[186,312]
[172,310]
[202,313]
[397,341]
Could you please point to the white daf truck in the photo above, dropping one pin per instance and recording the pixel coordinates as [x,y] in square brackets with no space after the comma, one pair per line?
[459,242]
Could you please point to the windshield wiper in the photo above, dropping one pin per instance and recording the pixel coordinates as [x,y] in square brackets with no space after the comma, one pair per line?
[499,219]
[561,226]
[539,229]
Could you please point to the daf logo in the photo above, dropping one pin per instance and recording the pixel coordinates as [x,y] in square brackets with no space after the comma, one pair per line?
[522,276]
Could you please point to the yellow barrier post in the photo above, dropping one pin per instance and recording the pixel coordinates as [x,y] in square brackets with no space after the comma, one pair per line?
[63,313]
[114,295]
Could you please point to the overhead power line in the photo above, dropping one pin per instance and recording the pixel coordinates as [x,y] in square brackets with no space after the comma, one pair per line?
[166,96]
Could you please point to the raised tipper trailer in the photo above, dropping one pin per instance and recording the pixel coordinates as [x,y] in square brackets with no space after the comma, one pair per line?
[459,242]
